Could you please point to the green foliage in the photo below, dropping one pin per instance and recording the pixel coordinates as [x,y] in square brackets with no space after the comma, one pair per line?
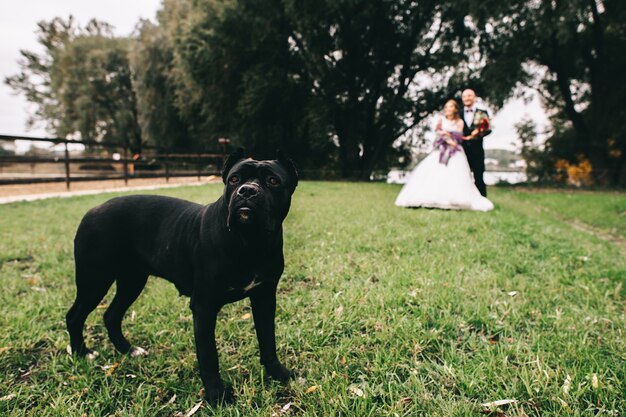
[152,65]
[82,83]
[35,78]
[385,310]
[235,77]
[314,77]
[341,85]
[539,161]
[571,53]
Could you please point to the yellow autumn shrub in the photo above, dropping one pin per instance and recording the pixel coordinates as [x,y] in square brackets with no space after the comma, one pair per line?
[574,173]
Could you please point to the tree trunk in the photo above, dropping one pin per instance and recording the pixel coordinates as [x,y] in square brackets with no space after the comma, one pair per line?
[349,156]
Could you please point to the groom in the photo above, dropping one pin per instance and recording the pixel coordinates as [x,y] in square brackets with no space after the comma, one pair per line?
[472,117]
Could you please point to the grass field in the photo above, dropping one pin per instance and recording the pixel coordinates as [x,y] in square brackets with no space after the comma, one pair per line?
[382,311]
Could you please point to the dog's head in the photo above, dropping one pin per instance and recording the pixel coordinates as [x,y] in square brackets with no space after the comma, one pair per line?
[258,193]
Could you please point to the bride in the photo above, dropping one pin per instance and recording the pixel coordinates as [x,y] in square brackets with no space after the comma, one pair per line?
[443,179]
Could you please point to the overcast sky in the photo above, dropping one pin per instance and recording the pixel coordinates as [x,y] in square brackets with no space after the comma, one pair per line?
[18,22]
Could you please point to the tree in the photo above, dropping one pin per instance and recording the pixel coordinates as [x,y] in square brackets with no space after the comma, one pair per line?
[152,62]
[379,68]
[234,77]
[81,85]
[539,167]
[340,75]
[571,53]
[34,80]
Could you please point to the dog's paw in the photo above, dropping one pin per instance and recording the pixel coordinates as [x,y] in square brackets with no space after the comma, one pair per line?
[278,371]
[91,354]
[219,395]
[136,351]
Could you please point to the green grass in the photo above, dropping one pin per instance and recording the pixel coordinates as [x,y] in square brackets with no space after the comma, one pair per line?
[603,210]
[387,311]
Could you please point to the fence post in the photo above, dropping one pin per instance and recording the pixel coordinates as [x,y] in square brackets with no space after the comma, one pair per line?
[125,165]
[167,166]
[199,166]
[67,167]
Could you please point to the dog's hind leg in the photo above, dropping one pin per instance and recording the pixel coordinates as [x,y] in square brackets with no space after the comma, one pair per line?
[90,289]
[128,289]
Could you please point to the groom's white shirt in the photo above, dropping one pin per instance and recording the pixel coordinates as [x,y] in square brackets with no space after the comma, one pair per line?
[468,114]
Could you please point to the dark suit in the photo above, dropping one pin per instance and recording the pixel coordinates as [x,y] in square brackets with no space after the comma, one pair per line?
[475,153]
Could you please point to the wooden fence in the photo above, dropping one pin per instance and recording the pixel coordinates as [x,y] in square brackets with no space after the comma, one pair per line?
[70,160]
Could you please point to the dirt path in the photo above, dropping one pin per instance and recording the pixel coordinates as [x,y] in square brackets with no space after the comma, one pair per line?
[539,211]
[31,192]
[597,232]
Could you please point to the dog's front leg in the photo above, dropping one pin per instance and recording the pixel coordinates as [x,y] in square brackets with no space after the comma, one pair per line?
[204,318]
[264,311]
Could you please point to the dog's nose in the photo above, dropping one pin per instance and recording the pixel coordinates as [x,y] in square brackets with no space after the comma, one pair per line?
[247,191]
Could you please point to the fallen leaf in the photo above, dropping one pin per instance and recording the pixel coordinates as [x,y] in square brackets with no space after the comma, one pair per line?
[339,311]
[311,389]
[26,374]
[354,389]
[132,315]
[498,403]
[246,316]
[567,385]
[566,406]
[594,381]
[8,397]
[72,377]
[285,408]
[4,349]
[404,401]
[193,409]
[343,360]
[171,400]
[511,293]
[68,349]
[110,368]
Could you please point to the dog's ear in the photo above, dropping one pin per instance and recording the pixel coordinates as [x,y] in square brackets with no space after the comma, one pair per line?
[288,164]
[232,159]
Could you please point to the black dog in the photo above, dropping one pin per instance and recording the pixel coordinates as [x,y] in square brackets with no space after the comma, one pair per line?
[215,254]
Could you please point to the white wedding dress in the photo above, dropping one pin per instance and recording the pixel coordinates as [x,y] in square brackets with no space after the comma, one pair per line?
[436,185]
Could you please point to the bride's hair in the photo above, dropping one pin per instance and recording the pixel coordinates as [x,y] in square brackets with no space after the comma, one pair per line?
[456,108]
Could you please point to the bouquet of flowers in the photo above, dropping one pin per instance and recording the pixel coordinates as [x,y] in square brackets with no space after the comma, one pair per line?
[481,123]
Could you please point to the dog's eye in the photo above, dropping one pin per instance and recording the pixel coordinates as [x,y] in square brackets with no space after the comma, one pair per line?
[273,181]
[234,179]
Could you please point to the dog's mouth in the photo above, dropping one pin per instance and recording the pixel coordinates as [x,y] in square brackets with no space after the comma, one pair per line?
[244,215]
[248,215]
